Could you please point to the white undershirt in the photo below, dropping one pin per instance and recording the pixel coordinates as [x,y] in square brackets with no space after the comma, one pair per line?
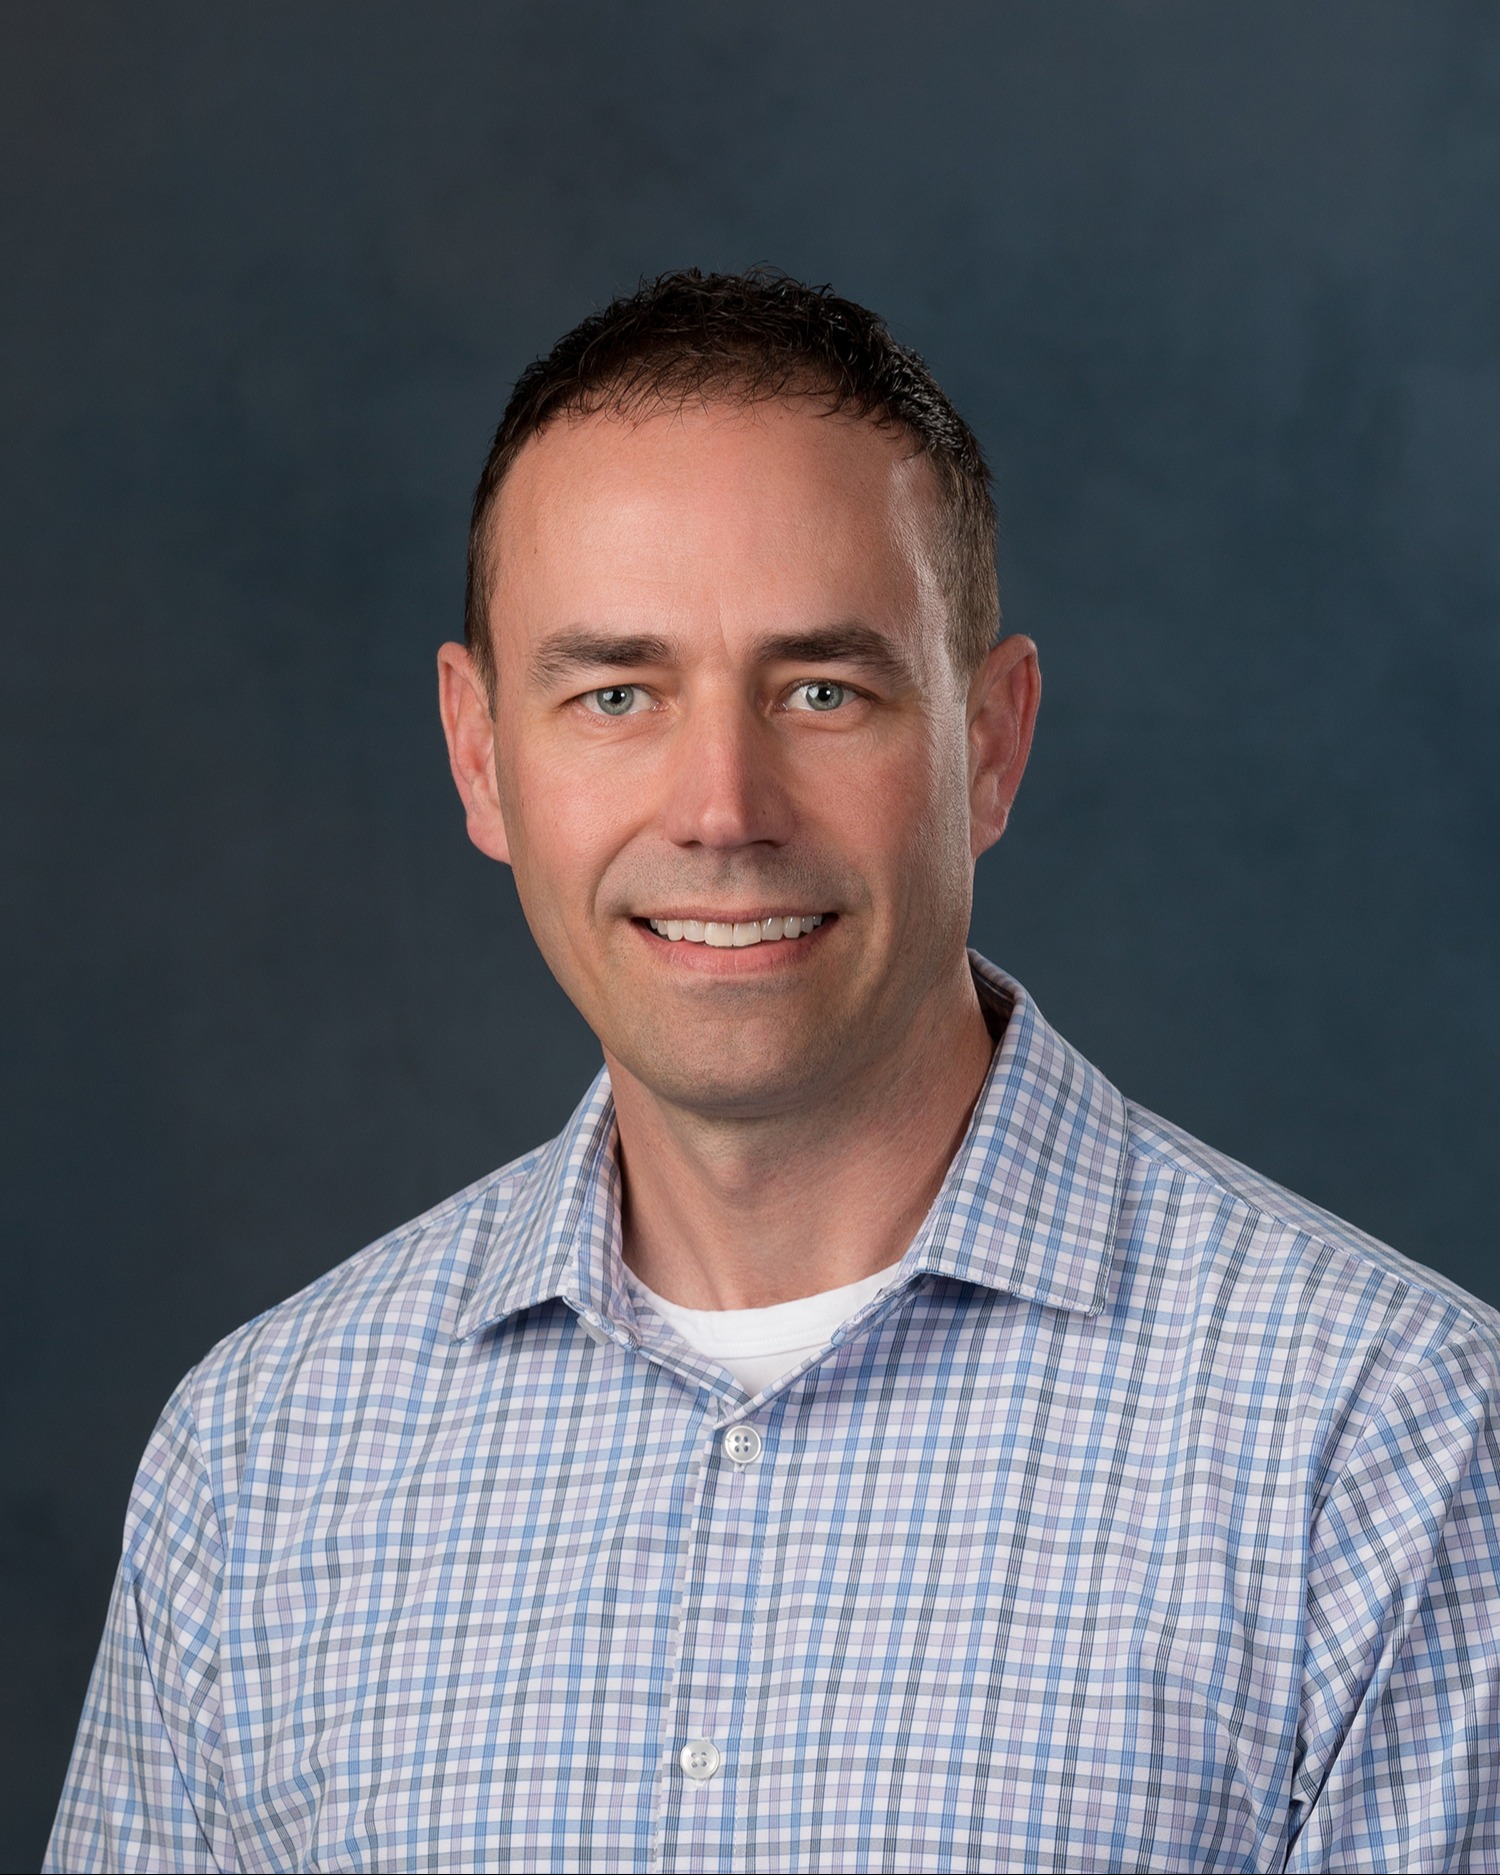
[758,1346]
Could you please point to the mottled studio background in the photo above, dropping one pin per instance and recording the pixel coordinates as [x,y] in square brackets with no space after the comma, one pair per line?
[1219,285]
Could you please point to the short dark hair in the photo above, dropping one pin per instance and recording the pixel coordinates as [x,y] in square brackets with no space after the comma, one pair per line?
[746,338]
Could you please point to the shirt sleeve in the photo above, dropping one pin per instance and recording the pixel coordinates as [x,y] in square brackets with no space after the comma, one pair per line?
[1399,1749]
[144,1789]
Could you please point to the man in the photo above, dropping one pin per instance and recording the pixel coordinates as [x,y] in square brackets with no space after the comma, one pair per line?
[861,1440]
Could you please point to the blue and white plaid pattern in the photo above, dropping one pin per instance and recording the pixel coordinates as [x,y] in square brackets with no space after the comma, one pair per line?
[1150,1522]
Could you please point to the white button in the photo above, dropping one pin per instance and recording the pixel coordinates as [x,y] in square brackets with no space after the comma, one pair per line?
[700,1759]
[742,1445]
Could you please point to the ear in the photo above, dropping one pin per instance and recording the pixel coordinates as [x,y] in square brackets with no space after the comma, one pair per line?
[1003,700]
[470,729]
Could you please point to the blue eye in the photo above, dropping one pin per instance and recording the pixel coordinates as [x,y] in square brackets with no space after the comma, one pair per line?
[820,693]
[615,699]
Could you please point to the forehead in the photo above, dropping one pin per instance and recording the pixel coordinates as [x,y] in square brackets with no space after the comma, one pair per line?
[760,516]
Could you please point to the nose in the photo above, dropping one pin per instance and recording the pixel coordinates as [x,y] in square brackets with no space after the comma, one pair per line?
[725,786]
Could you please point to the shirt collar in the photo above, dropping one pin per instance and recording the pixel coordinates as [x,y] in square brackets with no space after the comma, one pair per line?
[1030,1200]
[1027,1208]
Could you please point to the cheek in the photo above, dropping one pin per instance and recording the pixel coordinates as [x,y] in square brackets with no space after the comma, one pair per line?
[564,821]
[914,821]
[900,807]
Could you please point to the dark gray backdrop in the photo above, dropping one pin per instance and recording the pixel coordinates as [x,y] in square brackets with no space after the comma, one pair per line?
[1219,286]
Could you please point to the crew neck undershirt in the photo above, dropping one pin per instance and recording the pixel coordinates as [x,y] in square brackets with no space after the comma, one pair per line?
[758,1346]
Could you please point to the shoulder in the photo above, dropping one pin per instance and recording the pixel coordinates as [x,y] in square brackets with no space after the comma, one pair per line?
[391,1304]
[1292,1266]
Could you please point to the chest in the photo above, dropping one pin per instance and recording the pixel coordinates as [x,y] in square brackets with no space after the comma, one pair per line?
[938,1617]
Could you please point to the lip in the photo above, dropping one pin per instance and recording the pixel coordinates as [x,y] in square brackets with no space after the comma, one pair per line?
[718,915]
[755,960]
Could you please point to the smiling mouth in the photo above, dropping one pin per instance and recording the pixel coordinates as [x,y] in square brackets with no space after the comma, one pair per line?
[736,935]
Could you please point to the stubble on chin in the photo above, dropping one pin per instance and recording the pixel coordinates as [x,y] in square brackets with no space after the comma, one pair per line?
[726,1049]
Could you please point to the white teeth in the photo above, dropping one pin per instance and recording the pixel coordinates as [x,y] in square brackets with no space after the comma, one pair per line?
[725,936]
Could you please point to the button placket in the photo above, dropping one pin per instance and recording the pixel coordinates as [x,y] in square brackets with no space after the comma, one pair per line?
[701,1768]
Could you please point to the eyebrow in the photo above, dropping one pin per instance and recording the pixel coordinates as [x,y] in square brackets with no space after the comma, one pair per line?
[837,644]
[566,653]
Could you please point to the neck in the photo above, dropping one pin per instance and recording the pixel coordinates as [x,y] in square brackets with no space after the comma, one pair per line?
[729,1213]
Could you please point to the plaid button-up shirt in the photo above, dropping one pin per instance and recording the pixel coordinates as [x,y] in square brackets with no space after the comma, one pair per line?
[1149,1521]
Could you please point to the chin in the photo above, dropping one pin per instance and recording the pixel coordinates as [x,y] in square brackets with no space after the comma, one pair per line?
[741,1081]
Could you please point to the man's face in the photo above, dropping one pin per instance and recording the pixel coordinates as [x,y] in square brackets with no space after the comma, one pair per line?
[724,708]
